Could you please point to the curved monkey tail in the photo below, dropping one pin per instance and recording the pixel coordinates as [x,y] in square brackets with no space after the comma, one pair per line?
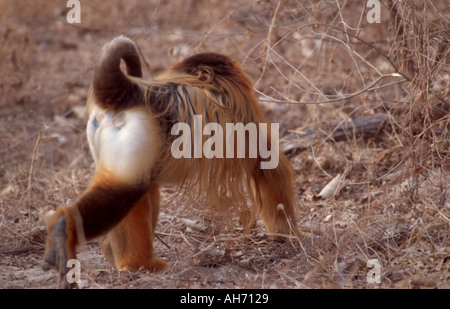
[112,88]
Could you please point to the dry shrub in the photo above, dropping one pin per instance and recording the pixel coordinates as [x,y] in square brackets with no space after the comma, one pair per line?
[420,52]
[394,200]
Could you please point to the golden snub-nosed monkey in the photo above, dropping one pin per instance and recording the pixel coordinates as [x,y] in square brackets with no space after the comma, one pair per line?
[133,130]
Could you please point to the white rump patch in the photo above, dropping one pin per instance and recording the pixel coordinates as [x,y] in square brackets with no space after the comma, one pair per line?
[126,143]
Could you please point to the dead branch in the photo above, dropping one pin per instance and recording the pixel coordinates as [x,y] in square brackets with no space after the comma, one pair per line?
[364,127]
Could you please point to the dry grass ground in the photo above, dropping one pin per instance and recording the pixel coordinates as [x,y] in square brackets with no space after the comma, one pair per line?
[392,202]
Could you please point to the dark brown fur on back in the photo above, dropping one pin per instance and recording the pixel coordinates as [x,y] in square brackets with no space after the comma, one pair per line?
[219,64]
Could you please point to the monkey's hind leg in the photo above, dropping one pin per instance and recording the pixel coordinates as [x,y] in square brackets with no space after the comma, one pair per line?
[129,245]
[275,200]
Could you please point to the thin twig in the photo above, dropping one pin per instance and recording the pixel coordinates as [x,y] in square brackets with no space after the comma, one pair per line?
[269,34]
[369,87]
[30,175]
